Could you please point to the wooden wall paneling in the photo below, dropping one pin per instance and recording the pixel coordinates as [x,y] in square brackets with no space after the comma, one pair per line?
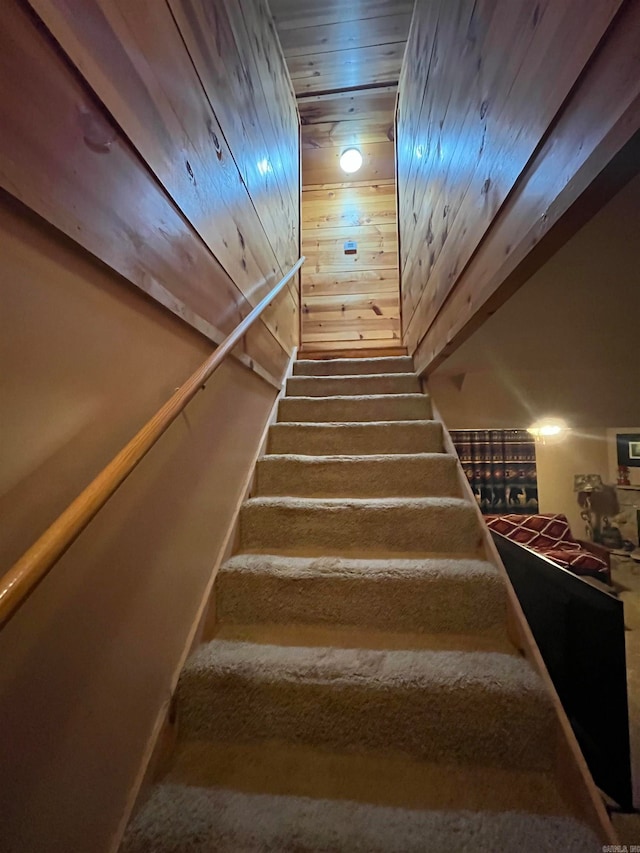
[375,105]
[590,152]
[344,34]
[372,204]
[345,134]
[363,330]
[122,52]
[463,131]
[374,282]
[82,176]
[350,299]
[322,165]
[220,51]
[255,34]
[294,14]
[543,77]
[346,68]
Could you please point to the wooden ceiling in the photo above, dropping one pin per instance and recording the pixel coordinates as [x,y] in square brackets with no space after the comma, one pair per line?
[344,59]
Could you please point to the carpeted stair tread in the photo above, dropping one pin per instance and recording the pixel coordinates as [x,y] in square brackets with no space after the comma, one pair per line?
[342,526]
[352,366]
[491,639]
[457,706]
[330,386]
[422,595]
[374,475]
[183,819]
[375,437]
[361,692]
[378,778]
[366,407]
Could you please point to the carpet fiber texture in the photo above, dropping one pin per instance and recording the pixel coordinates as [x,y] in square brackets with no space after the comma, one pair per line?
[361,692]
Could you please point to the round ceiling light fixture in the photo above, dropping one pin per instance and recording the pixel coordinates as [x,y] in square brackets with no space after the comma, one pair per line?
[350,160]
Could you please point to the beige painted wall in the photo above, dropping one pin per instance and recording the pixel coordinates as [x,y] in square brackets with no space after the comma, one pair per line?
[88,663]
[581,452]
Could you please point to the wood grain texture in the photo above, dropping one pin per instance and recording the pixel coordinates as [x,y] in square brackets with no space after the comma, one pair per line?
[133,57]
[326,38]
[350,299]
[356,349]
[576,171]
[322,165]
[352,68]
[297,14]
[374,105]
[345,134]
[467,129]
[370,204]
[84,178]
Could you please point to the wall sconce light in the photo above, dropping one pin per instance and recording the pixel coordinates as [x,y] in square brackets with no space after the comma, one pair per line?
[350,160]
[548,430]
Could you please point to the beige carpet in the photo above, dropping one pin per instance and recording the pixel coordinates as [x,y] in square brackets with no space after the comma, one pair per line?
[361,693]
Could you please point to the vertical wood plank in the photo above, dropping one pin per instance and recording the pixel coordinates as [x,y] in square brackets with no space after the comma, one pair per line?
[81,175]
[133,57]
[467,129]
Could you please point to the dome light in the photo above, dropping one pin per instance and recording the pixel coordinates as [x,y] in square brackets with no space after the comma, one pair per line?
[350,160]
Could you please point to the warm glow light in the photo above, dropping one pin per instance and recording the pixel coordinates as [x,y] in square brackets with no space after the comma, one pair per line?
[351,160]
[548,430]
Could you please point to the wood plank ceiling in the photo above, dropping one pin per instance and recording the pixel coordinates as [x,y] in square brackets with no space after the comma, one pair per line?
[344,59]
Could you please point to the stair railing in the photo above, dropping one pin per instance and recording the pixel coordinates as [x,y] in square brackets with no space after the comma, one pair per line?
[25,575]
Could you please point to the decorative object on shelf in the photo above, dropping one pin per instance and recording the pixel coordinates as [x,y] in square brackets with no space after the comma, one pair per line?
[585,485]
[628,446]
[598,503]
[623,475]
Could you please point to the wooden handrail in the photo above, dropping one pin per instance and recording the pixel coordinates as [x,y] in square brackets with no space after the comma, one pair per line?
[23,577]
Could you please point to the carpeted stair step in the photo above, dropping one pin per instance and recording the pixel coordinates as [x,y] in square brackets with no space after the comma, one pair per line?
[392,475]
[378,777]
[373,407]
[461,707]
[376,437]
[186,819]
[330,386]
[352,366]
[458,596]
[342,526]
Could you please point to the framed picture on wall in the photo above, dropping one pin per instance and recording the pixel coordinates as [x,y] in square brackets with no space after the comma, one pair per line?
[628,445]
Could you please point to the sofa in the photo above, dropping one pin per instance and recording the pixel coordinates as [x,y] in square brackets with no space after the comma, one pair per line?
[549,534]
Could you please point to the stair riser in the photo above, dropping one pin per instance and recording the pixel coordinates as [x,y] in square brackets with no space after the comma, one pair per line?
[316,386]
[344,529]
[454,723]
[365,439]
[393,407]
[353,366]
[397,604]
[392,476]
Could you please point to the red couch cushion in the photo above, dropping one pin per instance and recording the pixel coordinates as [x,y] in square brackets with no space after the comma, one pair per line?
[535,531]
[550,535]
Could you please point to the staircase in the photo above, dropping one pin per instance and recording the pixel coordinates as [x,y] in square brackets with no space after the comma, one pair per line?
[361,693]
